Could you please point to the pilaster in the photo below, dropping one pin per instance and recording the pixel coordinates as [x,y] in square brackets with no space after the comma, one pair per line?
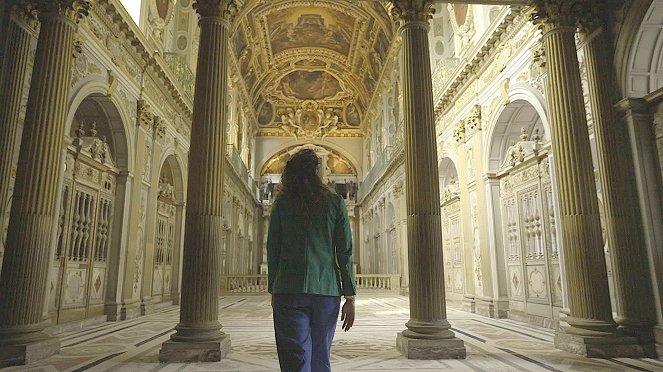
[158,133]
[199,337]
[135,255]
[624,235]
[591,329]
[464,180]
[428,335]
[33,216]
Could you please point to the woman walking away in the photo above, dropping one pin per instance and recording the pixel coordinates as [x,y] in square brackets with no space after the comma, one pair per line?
[309,253]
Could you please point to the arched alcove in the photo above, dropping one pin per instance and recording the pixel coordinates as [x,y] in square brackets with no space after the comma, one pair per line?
[89,237]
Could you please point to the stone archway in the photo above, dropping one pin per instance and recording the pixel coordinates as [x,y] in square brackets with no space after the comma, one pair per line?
[84,268]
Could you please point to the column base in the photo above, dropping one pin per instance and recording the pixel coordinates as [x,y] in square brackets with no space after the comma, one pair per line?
[22,354]
[193,352]
[446,348]
[602,347]
[469,304]
[492,308]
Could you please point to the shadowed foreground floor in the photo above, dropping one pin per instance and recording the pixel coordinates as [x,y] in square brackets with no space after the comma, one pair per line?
[492,345]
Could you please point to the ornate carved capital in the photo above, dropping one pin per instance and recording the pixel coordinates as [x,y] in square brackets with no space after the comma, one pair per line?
[226,9]
[406,11]
[74,10]
[473,119]
[552,14]
[144,113]
[24,11]
[159,126]
[459,132]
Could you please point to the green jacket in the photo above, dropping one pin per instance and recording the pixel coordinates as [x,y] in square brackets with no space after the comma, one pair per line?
[316,259]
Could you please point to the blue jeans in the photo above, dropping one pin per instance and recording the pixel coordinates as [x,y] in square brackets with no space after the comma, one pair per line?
[304,326]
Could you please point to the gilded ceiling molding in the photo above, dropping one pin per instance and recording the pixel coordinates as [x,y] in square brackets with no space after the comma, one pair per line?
[74,10]
[226,9]
[407,11]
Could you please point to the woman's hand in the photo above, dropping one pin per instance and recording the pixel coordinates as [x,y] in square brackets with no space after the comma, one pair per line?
[348,313]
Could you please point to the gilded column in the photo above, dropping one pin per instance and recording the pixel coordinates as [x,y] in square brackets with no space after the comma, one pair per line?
[591,329]
[428,334]
[199,337]
[624,234]
[14,70]
[34,211]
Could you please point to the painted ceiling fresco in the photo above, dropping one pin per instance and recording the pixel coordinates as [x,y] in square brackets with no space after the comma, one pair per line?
[335,163]
[311,71]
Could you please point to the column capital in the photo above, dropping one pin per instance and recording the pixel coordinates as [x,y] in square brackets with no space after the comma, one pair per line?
[412,12]
[554,14]
[24,11]
[74,10]
[226,9]
[633,105]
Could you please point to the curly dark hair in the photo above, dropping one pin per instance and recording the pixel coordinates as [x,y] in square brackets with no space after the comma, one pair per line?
[301,182]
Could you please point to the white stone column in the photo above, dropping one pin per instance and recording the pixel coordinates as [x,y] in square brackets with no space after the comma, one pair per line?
[428,335]
[33,216]
[591,329]
[624,233]
[199,337]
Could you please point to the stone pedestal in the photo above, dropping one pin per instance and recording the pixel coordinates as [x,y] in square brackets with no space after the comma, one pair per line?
[602,347]
[428,335]
[194,352]
[26,353]
[413,348]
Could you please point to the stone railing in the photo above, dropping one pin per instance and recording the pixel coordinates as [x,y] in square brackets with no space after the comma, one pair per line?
[375,173]
[241,170]
[182,72]
[243,284]
[378,282]
[257,284]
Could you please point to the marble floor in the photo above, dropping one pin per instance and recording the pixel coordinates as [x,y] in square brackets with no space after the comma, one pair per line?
[492,345]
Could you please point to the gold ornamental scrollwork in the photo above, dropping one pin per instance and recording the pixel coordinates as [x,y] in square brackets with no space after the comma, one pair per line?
[405,11]
[226,9]
[74,10]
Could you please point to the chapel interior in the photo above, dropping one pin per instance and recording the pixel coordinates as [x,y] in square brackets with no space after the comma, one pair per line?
[501,162]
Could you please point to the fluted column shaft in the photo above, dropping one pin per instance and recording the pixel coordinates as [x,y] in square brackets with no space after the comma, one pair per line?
[34,211]
[14,71]
[428,312]
[589,298]
[625,237]
[203,235]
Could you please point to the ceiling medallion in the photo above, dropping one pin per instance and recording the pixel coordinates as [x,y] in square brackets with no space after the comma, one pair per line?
[309,121]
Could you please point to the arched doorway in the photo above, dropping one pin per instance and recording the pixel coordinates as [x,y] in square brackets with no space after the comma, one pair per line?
[452,232]
[167,230]
[96,153]
[519,158]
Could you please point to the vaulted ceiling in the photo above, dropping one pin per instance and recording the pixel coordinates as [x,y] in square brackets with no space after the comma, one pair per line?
[311,67]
